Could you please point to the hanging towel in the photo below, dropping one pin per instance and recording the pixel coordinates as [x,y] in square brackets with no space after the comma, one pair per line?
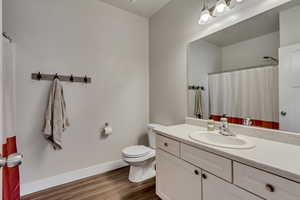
[56,120]
[198,104]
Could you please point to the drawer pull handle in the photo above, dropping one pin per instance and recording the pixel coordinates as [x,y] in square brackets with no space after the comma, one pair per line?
[270,188]
[196,172]
[204,176]
[166,144]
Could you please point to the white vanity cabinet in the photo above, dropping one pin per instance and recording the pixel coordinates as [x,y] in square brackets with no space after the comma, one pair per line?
[185,172]
[215,188]
[176,179]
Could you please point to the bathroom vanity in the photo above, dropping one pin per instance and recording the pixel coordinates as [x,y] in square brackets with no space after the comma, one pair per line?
[190,170]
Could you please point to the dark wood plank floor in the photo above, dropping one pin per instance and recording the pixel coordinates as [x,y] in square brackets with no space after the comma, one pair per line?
[112,185]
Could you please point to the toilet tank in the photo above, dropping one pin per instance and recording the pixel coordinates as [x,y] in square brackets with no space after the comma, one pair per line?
[151,135]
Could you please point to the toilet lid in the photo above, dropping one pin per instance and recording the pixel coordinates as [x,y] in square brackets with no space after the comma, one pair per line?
[136,151]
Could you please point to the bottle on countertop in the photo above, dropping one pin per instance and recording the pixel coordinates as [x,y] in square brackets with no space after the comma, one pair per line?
[211,125]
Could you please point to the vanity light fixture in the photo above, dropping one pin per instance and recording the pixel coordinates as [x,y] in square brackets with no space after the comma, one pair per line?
[205,15]
[220,8]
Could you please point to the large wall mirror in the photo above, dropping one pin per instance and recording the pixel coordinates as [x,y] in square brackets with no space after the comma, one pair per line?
[249,72]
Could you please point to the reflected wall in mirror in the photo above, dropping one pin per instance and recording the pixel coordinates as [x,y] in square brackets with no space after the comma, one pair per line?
[249,72]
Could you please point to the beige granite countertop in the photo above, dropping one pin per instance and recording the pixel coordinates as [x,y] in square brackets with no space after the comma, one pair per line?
[281,159]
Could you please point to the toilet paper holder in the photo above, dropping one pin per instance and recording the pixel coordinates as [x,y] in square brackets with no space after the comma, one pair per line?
[107,130]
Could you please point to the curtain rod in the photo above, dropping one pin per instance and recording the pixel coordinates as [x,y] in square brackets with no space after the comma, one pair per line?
[7,37]
[241,69]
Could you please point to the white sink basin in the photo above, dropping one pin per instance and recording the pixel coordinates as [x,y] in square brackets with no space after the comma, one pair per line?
[218,140]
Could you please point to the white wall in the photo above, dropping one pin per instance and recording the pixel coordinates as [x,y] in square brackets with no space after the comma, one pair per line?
[84,38]
[289,26]
[250,52]
[171,30]
[203,58]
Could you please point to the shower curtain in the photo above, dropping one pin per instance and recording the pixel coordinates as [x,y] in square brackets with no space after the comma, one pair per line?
[10,182]
[249,93]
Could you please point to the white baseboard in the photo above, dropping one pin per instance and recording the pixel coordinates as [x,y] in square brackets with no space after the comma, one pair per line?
[162,196]
[68,177]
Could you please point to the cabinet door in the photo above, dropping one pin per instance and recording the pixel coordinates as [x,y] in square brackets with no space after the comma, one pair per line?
[215,188]
[176,179]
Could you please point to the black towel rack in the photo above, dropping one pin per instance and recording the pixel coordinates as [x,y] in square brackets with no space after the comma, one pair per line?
[196,87]
[49,77]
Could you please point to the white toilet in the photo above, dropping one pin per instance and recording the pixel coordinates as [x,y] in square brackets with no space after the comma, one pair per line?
[141,158]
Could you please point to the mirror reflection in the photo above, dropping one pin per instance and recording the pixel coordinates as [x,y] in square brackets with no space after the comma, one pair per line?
[249,72]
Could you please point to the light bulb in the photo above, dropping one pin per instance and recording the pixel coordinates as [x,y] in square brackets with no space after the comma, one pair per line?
[205,17]
[234,3]
[220,8]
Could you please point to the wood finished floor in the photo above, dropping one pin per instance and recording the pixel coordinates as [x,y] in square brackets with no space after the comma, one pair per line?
[112,185]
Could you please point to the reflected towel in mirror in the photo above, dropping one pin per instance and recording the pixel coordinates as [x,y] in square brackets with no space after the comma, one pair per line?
[198,104]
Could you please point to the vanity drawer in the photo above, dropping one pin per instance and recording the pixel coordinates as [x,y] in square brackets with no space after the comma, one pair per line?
[212,163]
[266,185]
[168,145]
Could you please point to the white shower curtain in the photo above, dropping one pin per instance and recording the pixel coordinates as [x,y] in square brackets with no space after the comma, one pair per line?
[246,93]
[11,184]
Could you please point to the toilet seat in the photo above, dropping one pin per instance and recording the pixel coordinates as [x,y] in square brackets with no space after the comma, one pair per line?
[140,159]
[136,151]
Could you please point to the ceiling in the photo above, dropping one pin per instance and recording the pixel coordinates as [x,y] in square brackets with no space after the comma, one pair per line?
[262,24]
[145,8]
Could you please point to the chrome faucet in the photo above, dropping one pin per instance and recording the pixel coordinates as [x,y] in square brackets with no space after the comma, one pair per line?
[247,122]
[224,128]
